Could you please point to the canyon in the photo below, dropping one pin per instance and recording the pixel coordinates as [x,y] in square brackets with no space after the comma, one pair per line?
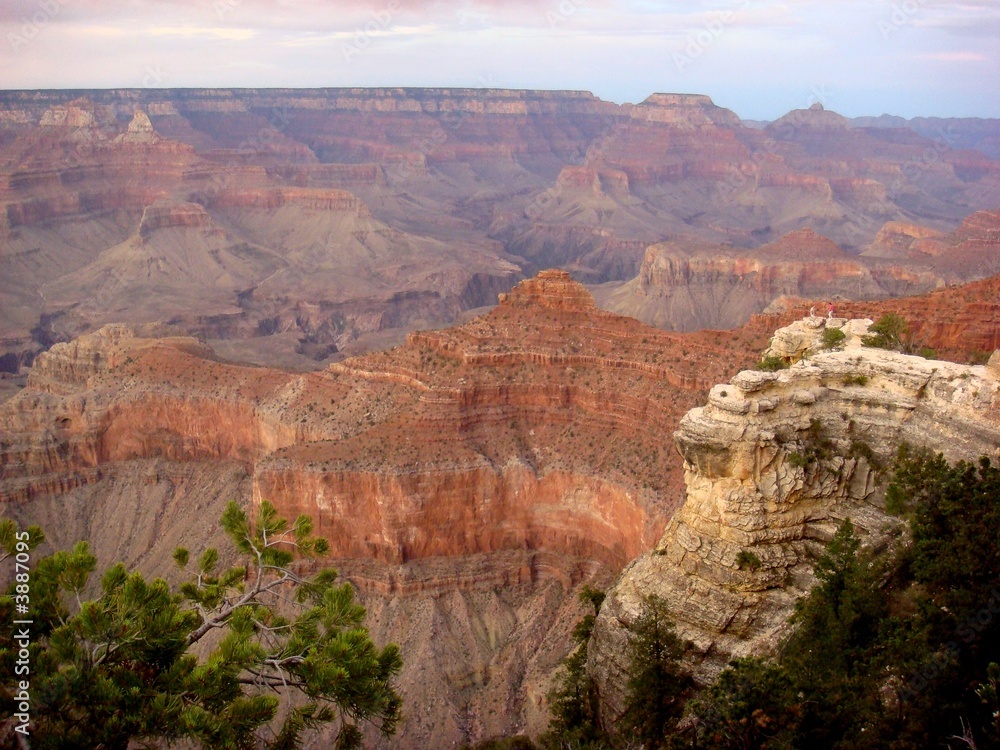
[296,227]
[471,480]
[687,286]
[345,301]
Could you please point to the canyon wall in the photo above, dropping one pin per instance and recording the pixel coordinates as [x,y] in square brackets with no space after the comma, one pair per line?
[687,286]
[473,479]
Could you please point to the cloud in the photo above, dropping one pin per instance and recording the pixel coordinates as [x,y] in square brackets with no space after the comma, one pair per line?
[373,33]
[196,32]
[955,57]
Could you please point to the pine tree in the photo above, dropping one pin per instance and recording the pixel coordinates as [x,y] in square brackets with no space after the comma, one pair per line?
[574,722]
[122,667]
[751,706]
[657,687]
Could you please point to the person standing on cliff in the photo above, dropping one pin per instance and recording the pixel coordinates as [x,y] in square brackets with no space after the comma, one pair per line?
[829,313]
[812,311]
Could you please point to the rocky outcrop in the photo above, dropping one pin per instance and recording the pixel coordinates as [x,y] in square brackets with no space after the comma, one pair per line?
[164,214]
[550,289]
[687,286]
[815,117]
[803,338]
[901,240]
[140,130]
[67,116]
[773,462]
[685,111]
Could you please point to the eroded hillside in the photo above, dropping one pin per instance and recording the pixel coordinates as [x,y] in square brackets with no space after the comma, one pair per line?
[469,481]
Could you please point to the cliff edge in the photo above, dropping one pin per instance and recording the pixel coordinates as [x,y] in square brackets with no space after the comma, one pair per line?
[773,463]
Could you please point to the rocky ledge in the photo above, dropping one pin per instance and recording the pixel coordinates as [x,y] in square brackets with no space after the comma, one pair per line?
[773,463]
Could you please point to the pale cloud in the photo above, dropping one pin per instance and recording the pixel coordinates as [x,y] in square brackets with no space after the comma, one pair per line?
[194,32]
[319,40]
[955,57]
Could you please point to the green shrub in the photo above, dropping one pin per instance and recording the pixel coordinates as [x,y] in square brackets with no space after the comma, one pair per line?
[833,337]
[747,560]
[771,363]
[797,460]
[887,333]
[856,380]
[861,449]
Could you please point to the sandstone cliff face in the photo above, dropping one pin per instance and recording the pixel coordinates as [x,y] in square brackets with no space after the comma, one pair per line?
[773,462]
[688,286]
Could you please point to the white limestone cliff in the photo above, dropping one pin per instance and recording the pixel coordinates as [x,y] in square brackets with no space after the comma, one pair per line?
[773,463]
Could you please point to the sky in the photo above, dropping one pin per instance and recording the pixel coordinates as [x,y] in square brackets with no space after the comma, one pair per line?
[760,58]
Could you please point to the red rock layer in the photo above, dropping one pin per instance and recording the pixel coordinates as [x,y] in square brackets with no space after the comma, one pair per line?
[690,285]
[537,426]
[474,476]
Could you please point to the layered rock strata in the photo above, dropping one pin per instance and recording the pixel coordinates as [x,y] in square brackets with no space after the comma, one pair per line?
[772,464]
[469,481]
[325,205]
[686,285]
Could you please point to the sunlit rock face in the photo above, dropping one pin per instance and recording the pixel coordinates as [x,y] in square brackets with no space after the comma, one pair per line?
[773,462]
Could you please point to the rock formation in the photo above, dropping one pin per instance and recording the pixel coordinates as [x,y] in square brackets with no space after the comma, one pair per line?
[803,338]
[772,463]
[140,130]
[470,480]
[687,285]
